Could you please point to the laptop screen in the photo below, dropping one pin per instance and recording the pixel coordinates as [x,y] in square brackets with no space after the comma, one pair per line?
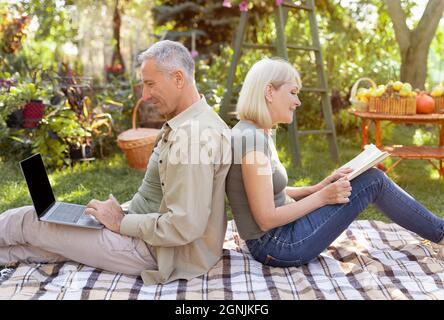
[38,183]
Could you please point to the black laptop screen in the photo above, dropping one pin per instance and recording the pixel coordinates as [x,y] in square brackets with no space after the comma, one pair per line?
[38,183]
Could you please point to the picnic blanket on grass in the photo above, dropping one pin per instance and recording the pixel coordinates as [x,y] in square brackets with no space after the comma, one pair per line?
[370,260]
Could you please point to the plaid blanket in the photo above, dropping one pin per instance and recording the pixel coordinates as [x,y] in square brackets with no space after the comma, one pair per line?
[370,260]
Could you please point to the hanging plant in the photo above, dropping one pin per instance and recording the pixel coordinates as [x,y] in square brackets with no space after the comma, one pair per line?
[12,30]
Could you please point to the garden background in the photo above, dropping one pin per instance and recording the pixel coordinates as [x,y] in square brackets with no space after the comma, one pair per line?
[78,58]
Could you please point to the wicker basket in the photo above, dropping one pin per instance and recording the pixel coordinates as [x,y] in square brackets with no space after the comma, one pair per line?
[148,116]
[401,106]
[357,104]
[137,143]
[439,104]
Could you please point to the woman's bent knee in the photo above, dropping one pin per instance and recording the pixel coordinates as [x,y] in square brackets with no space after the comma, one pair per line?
[376,173]
[372,174]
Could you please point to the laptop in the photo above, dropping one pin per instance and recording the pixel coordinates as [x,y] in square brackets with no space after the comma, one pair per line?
[46,207]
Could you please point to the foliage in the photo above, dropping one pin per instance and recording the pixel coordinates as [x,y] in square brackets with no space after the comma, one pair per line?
[355,45]
[211,79]
[346,122]
[117,98]
[356,39]
[57,131]
[13,28]
[16,96]
[69,121]
[15,144]
[93,122]
[52,27]
[211,23]
[55,19]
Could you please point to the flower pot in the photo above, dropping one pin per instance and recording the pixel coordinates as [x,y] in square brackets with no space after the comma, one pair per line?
[33,113]
[84,152]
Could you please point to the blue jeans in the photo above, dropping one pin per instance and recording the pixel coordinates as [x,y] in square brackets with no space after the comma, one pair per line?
[304,239]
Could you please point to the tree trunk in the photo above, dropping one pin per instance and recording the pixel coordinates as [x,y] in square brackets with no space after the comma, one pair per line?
[117,21]
[414,45]
[414,66]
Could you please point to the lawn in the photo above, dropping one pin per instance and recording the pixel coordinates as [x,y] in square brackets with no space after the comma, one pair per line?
[85,181]
[78,184]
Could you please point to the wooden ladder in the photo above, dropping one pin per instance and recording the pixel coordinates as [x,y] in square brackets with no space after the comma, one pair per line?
[280,48]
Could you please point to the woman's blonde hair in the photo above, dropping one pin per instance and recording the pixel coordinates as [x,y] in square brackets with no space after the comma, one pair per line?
[251,104]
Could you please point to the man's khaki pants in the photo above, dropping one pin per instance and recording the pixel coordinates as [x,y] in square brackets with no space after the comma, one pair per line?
[23,238]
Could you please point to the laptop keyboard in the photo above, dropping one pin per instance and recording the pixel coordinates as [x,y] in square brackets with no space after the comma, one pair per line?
[67,213]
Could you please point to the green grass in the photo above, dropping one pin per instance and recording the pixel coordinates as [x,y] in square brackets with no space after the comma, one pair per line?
[83,182]
[77,184]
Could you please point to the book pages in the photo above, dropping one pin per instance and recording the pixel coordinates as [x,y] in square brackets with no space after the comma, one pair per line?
[368,158]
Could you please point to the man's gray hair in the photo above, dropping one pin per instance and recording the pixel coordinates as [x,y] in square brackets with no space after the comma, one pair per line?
[169,56]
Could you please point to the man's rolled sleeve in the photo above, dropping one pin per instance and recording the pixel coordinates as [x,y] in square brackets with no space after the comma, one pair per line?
[131,222]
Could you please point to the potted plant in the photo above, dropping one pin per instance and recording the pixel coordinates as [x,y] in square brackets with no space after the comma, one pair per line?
[81,147]
[93,124]
[21,105]
[58,131]
[64,134]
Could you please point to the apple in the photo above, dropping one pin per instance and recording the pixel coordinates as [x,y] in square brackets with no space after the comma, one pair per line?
[361,93]
[437,91]
[379,90]
[406,89]
[397,85]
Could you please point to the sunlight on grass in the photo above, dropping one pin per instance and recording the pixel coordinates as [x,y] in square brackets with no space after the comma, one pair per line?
[422,137]
[434,175]
[14,192]
[72,196]
[388,162]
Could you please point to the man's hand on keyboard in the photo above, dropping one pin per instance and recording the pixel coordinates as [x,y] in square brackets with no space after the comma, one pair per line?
[107,212]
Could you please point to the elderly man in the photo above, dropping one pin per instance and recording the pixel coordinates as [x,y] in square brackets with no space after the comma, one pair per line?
[175,225]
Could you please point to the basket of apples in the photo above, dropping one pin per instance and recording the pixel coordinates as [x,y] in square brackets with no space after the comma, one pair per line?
[393,98]
[359,97]
[438,95]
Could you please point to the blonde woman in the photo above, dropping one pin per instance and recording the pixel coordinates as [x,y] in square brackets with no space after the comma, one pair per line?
[289,226]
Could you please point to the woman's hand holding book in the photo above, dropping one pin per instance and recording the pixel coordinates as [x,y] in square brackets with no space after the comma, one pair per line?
[336,192]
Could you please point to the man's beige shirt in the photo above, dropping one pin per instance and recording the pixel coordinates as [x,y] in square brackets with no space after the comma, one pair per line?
[188,231]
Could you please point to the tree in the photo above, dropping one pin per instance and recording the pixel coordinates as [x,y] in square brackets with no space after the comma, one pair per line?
[117,22]
[55,27]
[414,44]
[210,22]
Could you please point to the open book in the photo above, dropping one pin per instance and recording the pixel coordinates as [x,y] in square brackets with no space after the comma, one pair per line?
[368,158]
